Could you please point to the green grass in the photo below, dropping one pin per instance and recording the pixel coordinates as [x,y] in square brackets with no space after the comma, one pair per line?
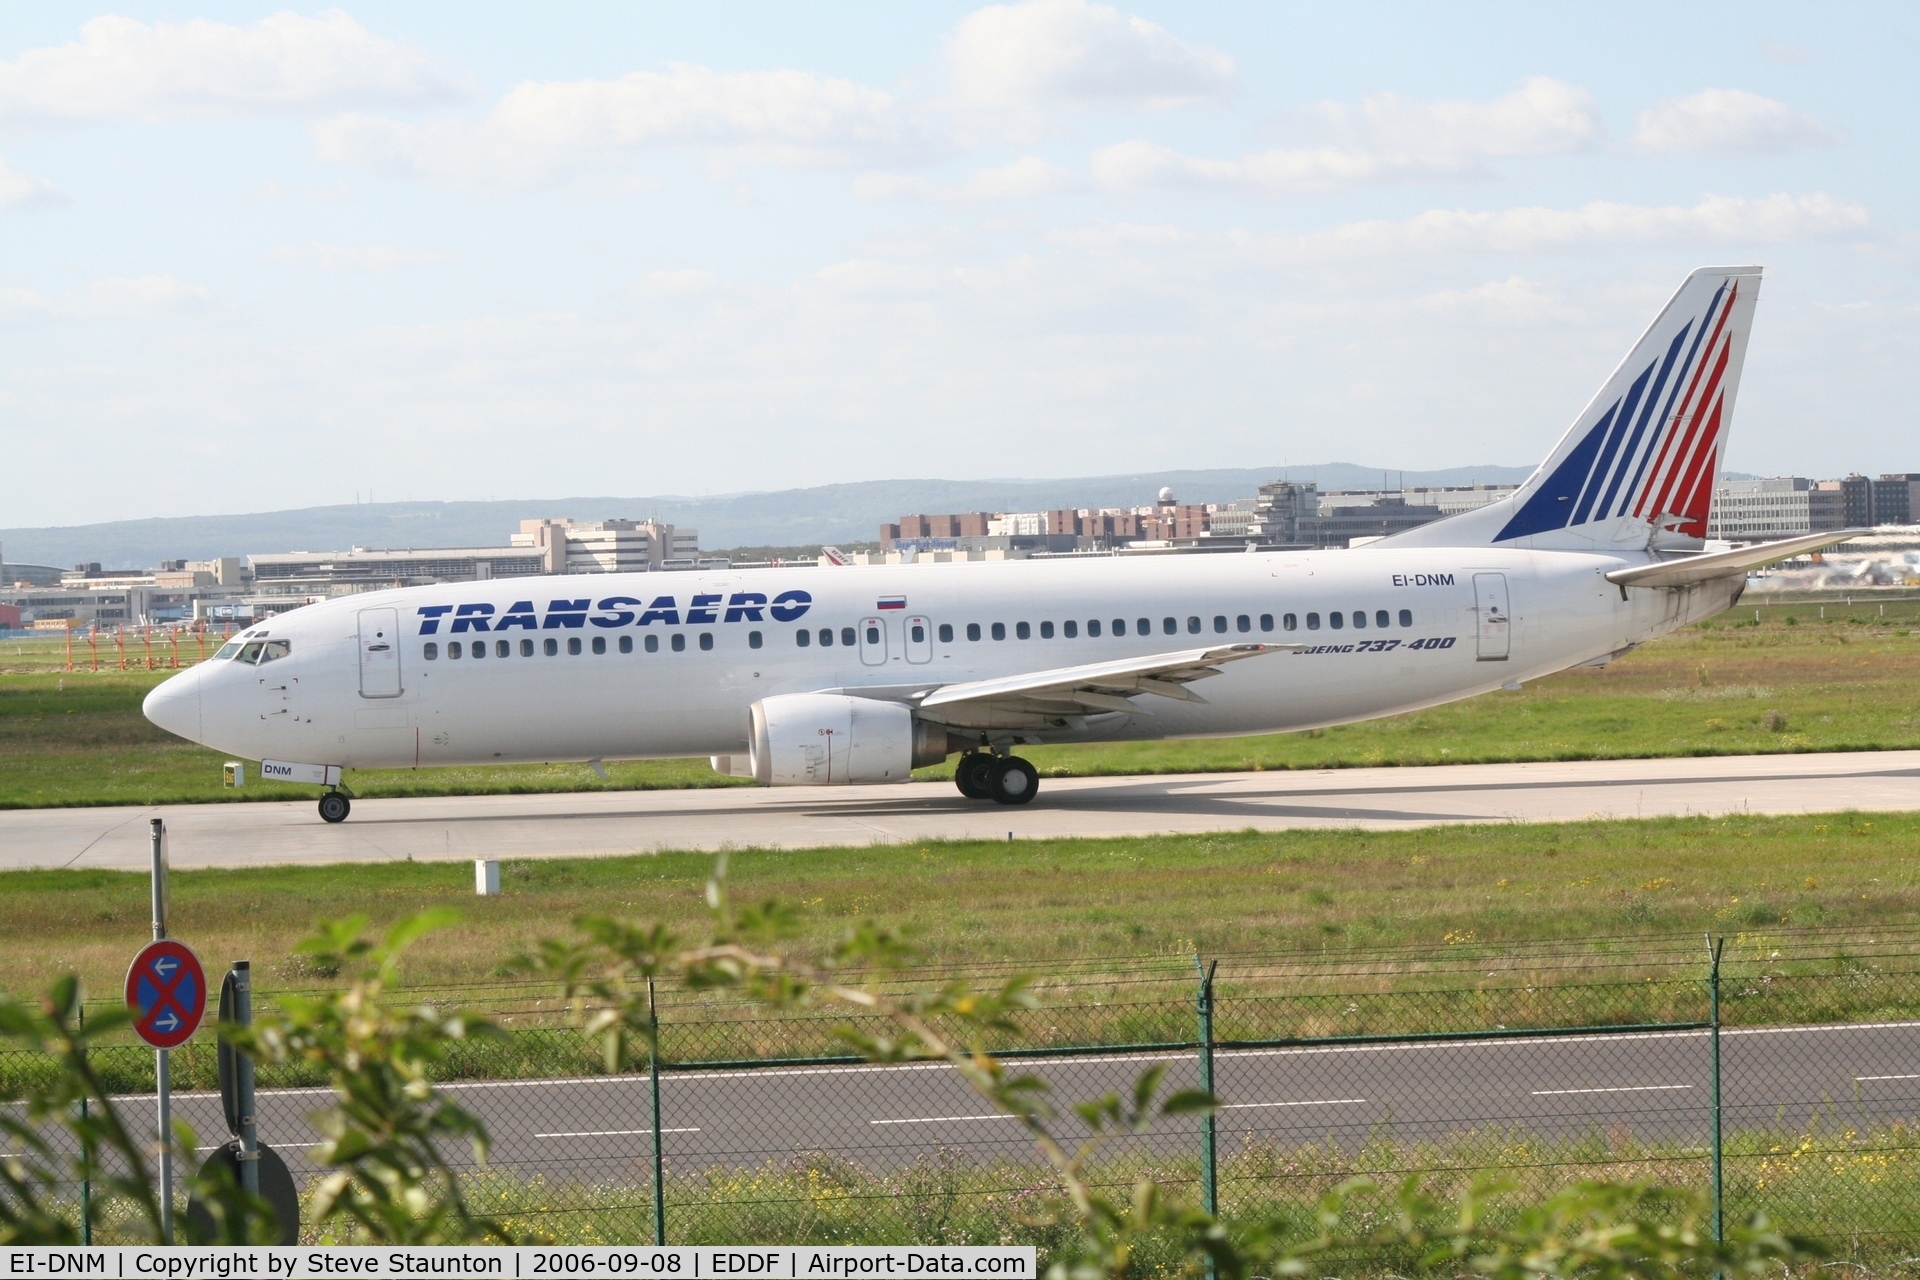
[1044,902]
[1793,682]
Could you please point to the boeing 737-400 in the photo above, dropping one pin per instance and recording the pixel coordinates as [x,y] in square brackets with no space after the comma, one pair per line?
[839,675]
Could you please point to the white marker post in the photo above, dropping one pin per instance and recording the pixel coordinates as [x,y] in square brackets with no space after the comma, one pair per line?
[162,1058]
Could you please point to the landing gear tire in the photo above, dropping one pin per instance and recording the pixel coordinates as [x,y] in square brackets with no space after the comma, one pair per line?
[334,807]
[1013,781]
[970,774]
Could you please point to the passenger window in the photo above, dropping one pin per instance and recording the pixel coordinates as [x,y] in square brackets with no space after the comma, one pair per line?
[1266,622]
[946,633]
[1119,626]
[847,637]
[1360,619]
[526,648]
[1406,617]
[551,646]
[803,637]
[679,642]
[999,631]
[1336,620]
[1046,631]
[706,639]
[599,644]
[1220,623]
[1380,618]
[500,648]
[1093,626]
[1243,623]
[430,651]
[1313,621]
[626,644]
[1070,629]
[1289,622]
[1193,626]
[479,649]
[753,639]
[917,633]
[1021,631]
[873,634]
[1144,626]
[973,631]
[1170,626]
[826,637]
[653,644]
[573,646]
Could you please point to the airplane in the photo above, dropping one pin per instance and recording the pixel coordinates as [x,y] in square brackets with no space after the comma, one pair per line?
[838,675]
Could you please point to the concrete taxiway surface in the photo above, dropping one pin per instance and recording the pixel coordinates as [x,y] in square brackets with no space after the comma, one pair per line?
[587,823]
[1657,1084]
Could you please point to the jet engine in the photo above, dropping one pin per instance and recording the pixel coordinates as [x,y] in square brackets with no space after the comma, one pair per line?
[832,740]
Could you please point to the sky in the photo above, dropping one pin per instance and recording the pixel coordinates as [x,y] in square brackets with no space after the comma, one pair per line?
[255,258]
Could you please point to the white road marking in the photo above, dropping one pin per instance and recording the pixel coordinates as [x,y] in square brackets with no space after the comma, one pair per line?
[1620,1088]
[997,1115]
[611,1133]
[1317,1102]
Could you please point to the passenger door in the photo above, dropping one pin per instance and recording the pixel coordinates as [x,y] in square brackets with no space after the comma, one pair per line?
[919,640]
[873,641]
[1495,623]
[379,653]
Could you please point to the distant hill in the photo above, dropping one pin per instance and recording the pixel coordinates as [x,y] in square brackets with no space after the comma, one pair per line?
[788,517]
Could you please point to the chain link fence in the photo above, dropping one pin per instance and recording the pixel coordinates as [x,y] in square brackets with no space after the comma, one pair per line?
[1775,1072]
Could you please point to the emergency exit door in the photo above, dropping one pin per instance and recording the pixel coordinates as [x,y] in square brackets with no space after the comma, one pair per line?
[873,641]
[1496,624]
[379,653]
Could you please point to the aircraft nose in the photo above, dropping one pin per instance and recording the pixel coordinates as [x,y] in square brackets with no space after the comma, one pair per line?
[174,705]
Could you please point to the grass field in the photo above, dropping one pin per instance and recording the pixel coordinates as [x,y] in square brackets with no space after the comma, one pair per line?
[1792,681]
[1040,902]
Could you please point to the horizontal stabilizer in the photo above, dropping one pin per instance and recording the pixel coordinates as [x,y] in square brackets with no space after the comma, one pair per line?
[1725,564]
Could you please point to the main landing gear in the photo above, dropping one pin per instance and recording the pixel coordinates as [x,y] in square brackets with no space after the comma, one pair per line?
[1004,779]
[335,806]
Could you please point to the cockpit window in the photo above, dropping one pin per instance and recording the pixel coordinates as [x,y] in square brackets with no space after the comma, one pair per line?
[275,649]
[250,652]
[227,650]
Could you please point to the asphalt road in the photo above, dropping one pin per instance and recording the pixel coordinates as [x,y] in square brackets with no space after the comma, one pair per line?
[588,823]
[1656,1084]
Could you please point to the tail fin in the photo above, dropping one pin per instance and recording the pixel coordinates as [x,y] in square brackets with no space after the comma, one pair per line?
[1638,467]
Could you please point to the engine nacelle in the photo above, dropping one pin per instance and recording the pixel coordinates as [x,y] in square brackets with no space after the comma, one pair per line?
[832,740]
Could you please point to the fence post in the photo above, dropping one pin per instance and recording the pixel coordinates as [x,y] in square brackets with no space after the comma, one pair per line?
[1209,1184]
[86,1169]
[659,1162]
[1714,947]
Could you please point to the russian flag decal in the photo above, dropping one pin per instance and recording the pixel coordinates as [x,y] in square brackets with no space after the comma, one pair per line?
[892,602]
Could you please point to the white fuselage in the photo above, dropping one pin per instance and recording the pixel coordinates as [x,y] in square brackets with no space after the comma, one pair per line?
[337,698]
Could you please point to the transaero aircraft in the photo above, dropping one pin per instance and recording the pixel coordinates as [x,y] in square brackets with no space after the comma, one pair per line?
[843,675]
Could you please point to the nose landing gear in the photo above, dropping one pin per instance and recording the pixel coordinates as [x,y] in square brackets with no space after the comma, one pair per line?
[1002,779]
[335,806]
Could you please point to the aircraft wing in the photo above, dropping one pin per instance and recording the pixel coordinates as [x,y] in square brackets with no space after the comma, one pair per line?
[1098,686]
[1723,564]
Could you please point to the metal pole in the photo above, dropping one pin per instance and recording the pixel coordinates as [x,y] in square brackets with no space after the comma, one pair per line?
[162,1065]
[1209,1138]
[1714,946]
[86,1170]
[243,1081]
[659,1159]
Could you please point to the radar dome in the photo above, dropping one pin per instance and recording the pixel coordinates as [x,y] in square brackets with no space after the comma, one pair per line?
[1166,496]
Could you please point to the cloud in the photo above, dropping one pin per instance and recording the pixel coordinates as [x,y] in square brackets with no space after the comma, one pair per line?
[1076,54]
[109,298]
[542,131]
[124,68]
[364,259]
[1386,138]
[1023,179]
[24,191]
[1727,120]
